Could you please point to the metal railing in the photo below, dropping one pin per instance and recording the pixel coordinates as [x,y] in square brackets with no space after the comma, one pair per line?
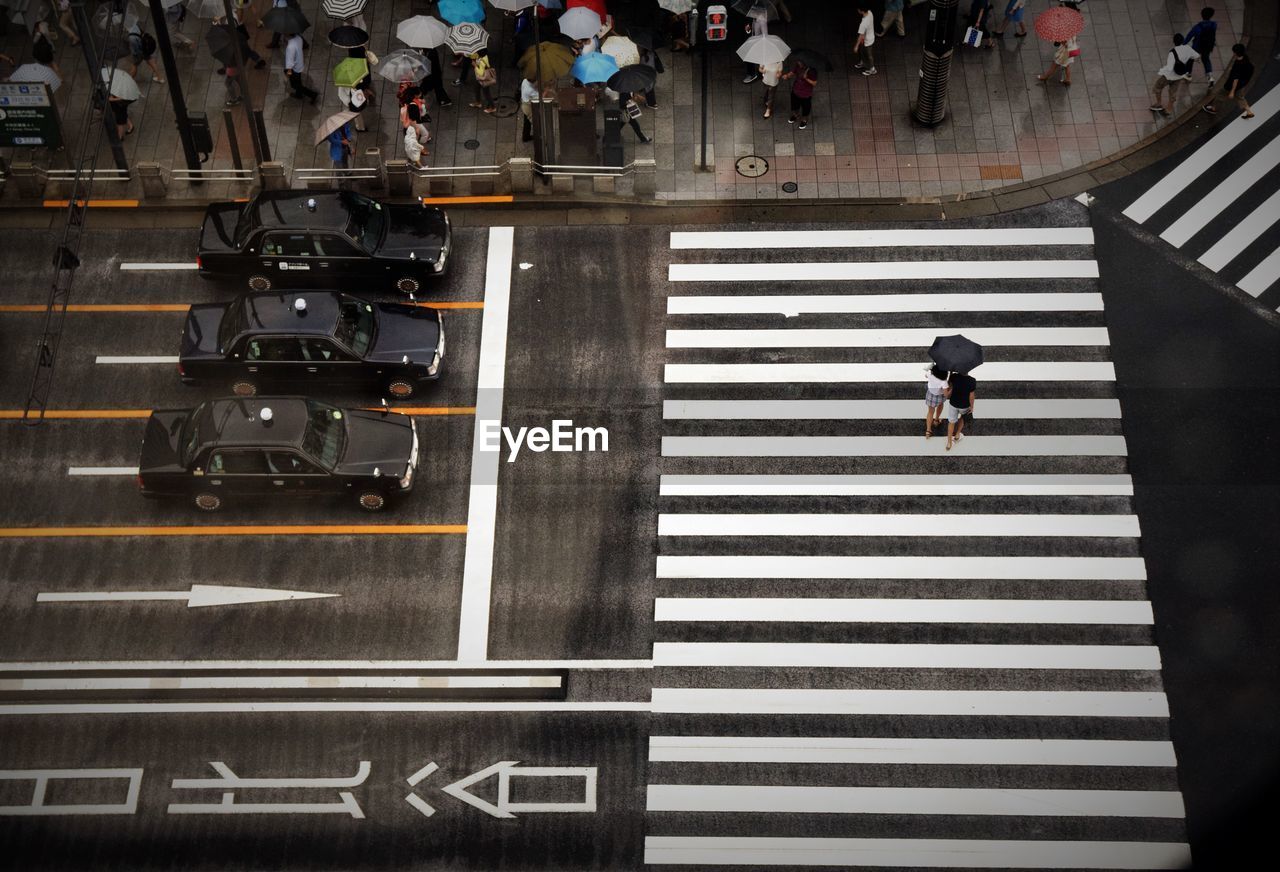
[213,175]
[98,175]
[333,174]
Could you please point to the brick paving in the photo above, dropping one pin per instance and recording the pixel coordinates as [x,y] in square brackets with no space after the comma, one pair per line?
[1002,126]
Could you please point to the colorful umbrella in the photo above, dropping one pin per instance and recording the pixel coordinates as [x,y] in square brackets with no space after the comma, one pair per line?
[123,86]
[676,7]
[764,50]
[1059,24]
[593,67]
[36,74]
[422,31]
[343,9]
[348,36]
[332,123]
[556,60]
[633,79]
[623,50]
[350,72]
[467,38]
[580,23]
[596,6]
[403,65]
[458,11]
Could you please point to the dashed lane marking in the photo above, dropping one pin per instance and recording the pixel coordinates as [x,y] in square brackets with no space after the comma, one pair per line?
[236,530]
[139,358]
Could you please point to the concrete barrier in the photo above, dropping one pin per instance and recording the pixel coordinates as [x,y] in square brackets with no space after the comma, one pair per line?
[399,178]
[28,179]
[518,175]
[154,184]
[646,177]
[272,176]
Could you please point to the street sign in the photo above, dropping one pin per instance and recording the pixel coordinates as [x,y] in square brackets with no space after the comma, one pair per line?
[28,116]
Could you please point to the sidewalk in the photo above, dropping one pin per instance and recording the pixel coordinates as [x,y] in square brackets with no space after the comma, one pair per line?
[1002,127]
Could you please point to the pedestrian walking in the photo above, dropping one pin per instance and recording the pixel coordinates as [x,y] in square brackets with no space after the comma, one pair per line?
[649,57]
[340,147]
[632,107]
[277,4]
[142,49]
[259,62]
[486,78]
[1202,37]
[354,100]
[1173,77]
[1064,55]
[934,397]
[230,74]
[294,67]
[866,38]
[962,397]
[434,80]
[175,18]
[1238,75]
[757,25]
[120,114]
[980,20]
[528,93]
[770,74]
[1013,15]
[803,81]
[415,139]
[66,21]
[893,15]
[42,49]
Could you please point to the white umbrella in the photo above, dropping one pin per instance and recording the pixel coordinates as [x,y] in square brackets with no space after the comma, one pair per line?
[207,8]
[623,50]
[467,38]
[36,74]
[511,5]
[122,84]
[403,64]
[764,50]
[343,8]
[422,31]
[580,23]
[677,7]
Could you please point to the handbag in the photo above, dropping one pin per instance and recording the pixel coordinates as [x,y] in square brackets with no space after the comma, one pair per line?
[633,109]
[973,37]
[488,77]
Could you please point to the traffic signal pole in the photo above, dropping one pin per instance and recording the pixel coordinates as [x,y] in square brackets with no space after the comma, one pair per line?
[160,24]
[706,79]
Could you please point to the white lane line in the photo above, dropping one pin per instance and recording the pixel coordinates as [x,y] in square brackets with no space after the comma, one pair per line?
[1261,276]
[157,708]
[102,470]
[999,703]
[814,410]
[894,485]
[773,239]
[185,265]
[922,525]
[889,270]
[812,799]
[800,304]
[1202,159]
[867,337]
[897,566]
[1241,236]
[945,752]
[901,611]
[206,665]
[849,853]
[135,359]
[282,682]
[1227,192]
[891,446]
[853,655]
[482,505]
[827,373]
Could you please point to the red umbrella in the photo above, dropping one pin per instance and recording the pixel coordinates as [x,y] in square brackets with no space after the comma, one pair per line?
[1059,24]
[596,6]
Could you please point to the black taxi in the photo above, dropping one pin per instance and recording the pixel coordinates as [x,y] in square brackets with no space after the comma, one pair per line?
[307,338]
[310,238]
[239,449]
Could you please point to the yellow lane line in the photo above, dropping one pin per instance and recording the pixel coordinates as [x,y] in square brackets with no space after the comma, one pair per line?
[236,530]
[111,204]
[431,410]
[494,198]
[182,307]
[465,304]
[91,414]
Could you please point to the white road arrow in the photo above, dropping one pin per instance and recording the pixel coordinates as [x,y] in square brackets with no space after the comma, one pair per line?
[458,789]
[199,595]
[506,770]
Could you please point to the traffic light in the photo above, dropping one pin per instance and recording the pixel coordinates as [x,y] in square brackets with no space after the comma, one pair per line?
[717,24]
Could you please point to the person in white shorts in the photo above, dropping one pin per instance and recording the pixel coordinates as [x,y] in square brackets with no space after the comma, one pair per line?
[962,396]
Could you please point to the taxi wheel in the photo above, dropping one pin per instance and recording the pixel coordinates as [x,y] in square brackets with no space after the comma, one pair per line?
[408,285]
[372,501]
[242,388]
[259,283]
[400,389]
[207,502]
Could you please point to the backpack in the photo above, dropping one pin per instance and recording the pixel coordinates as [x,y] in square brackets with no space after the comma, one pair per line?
[1180,67]
[148,45]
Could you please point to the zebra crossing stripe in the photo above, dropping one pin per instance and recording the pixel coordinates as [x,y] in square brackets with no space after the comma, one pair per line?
[1231,189]
[821,799]
[1202,159]
[1262,276]
[880,373]
[901,611]
[922,853]
[838,410]
[1241,236]
[891,270]
[899,566]
[852,655]
[890,446]
[913,337]
[879,750]
[968,703]
[831,304]
[857,524]
[950,238]
[894,485]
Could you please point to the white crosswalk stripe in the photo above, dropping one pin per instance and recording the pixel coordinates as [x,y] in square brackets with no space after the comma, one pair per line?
[844,608]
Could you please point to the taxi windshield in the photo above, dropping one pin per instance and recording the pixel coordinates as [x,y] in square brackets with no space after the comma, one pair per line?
[355,325]
[367,222]
[326,434]
[199,419]
[231,325]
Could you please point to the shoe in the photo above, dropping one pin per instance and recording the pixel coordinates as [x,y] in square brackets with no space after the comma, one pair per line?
[747,80]
[457,81]
[489,110]
[1020,35]
[870,72]
[1042,78]
[646,140]
[859,65]
[1247,115]
[476,105]
[804,124]
[791,120]
[158,81]
[1211,81]
[767,114]
[222,71]
[1156,108]
[445,103]
[235,102]
[261,64]
[880,31]
[1210,110]
[999,34]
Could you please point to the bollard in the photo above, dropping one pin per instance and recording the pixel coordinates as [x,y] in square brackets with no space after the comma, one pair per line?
[603,184]
[154,184]
[372,159]
[561,183]
[29,178]
[440,186]
[399,178]
[517,174]
[646,181]
[271,175]
[481,187]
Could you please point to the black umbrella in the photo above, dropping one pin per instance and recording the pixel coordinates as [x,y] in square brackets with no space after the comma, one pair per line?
[222,39]
[633,78]
[348,36]
[285,19]
[809,58]
[643,37]
[956,353]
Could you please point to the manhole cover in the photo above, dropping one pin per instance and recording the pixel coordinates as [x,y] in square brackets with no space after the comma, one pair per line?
[505,107]
[790,187]
[752,166]
[471,144]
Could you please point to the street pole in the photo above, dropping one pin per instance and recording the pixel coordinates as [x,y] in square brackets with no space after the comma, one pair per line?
[242,76]
[539,117]
[706,77]
[160,24]
[935,67]
[93,61]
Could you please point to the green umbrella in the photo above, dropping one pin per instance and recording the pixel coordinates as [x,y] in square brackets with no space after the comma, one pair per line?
[556,61]
[350,72]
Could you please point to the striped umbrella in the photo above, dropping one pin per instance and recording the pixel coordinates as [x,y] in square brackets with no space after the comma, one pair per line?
[593,67]
[467,38]
[36,74]
[343,8]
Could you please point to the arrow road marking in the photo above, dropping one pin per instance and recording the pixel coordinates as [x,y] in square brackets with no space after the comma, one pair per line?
[199,595]
[506,770]
[458,789]
[413,799]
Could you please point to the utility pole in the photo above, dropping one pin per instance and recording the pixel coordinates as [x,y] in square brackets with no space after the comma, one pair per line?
[935,67]
[95,60]
[160,24]
[255,135]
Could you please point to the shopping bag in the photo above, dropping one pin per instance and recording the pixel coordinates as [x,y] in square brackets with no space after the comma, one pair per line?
[973,37]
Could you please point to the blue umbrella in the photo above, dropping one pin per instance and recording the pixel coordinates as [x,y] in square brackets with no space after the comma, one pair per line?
[593,67]
[458,11]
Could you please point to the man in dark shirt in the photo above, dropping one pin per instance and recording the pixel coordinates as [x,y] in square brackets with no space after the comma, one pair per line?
[1239,76]
[961,400]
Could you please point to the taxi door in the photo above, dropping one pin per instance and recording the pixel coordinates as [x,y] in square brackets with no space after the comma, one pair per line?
[289,256]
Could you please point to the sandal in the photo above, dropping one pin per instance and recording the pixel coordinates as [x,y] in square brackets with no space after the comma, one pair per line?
[476,105]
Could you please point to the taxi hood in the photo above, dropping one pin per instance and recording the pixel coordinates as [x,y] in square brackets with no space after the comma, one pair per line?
[411,330]
[218,232]
[414,232]
[376,441]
